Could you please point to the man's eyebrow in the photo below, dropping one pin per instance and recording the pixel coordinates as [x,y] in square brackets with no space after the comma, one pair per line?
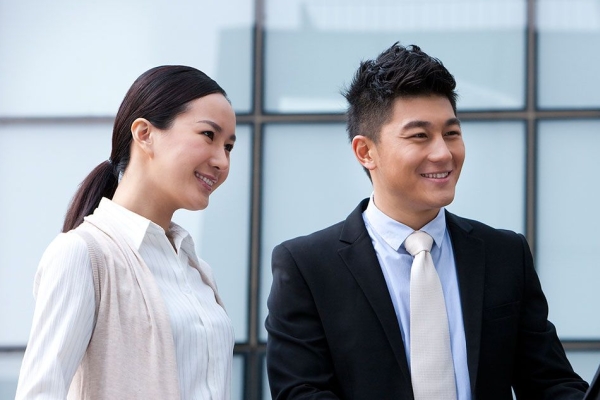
[453,121]
[416,124]
[425,124]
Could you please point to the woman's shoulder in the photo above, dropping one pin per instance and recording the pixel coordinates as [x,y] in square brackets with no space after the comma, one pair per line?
[67,243]
[66,251]
[66,260]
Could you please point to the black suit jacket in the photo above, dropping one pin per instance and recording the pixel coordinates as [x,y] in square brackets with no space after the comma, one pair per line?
[333,332]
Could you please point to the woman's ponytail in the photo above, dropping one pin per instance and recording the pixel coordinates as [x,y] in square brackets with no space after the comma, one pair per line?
[101,182]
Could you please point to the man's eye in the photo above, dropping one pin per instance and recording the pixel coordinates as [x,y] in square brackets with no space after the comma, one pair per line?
[453,133]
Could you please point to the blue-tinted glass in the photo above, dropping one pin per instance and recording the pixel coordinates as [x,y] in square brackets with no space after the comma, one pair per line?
[313,48]
[585,363]
[237,378]
[40,169]
[34,166]
[266,395]
[93,51]
[311,180]
[491,188]
[567,224]
[10,364]
[568,40]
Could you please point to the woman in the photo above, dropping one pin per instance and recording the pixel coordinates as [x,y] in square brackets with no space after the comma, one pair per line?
[124,308]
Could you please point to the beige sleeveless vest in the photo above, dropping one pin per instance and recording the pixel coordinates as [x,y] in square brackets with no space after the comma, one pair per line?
[131,354]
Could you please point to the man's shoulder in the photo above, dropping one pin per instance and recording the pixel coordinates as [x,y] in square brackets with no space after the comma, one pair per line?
[346,230]
[479,229]
[320,238]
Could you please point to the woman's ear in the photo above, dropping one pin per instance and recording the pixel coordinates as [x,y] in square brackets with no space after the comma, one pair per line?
[364,151]
[143,135]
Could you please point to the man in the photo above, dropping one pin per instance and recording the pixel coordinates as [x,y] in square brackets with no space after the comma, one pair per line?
[340,322]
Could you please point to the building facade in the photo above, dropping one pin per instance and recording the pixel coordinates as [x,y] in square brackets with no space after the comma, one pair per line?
[529,102]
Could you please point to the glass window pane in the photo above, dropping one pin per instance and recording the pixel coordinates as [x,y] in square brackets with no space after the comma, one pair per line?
[237,378]
[567,234]
[222,233]
[491,188]
[313,48]
[585,363]
[568,40]
[10,365]
[40,169]
[311,181]
[266,391]
[43,165]
[93,51]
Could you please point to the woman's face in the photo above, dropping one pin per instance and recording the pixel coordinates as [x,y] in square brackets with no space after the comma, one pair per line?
[191,158]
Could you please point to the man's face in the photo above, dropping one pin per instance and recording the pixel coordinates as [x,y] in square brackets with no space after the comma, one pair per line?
[417,160]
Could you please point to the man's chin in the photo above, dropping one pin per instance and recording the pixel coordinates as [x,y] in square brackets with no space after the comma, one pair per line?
[444,202]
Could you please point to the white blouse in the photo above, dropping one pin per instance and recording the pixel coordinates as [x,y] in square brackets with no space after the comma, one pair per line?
[65,305]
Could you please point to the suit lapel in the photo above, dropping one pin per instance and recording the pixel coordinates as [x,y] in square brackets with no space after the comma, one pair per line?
[360,258]
[469,255]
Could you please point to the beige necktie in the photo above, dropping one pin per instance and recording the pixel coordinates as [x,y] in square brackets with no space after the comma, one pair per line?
[432,370]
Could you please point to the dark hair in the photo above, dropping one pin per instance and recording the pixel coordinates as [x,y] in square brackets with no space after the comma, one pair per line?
[158,95]
[397,72]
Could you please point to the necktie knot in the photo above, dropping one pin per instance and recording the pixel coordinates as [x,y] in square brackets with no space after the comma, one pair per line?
[417,242]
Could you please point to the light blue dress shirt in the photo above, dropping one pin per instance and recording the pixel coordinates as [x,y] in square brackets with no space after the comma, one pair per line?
[388,238]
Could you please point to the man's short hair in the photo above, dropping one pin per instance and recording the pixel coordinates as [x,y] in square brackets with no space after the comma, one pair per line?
[397,72]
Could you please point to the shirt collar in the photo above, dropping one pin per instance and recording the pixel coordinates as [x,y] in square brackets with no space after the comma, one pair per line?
[181,238]
[137,227]
[394,233]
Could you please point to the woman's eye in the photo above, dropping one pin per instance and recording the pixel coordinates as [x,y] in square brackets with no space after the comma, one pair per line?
[228,147]
[209,134]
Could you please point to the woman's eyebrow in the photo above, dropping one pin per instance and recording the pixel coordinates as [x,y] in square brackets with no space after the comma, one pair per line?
[216,127]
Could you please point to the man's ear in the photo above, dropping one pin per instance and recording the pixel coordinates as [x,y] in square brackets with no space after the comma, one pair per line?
[364,150]
[143,135]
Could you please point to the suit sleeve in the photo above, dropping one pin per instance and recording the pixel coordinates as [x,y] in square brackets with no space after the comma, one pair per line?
[542,370]
[299,365]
